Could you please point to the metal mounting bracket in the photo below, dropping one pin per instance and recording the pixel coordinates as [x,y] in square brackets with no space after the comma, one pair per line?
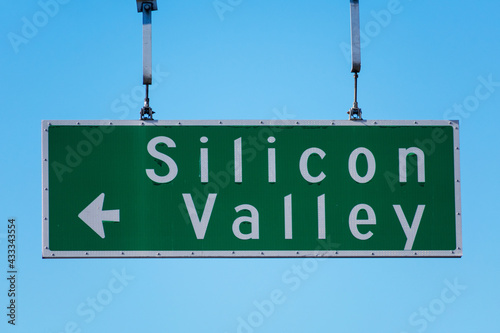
[146,7]
[140,4]
[355,112]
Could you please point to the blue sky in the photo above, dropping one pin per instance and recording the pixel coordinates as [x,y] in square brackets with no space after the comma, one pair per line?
[254,60]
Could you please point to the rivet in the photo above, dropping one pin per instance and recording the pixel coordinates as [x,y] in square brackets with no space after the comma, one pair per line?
[78,123]
[86,253]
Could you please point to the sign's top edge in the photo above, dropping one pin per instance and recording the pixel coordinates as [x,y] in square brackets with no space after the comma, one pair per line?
[267,122]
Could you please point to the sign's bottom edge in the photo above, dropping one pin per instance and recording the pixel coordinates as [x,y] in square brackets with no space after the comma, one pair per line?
[251,254]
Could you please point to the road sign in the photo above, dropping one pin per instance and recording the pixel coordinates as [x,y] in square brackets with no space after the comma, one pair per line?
[251,189]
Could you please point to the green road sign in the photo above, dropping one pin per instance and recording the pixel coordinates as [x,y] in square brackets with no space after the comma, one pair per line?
[251,189]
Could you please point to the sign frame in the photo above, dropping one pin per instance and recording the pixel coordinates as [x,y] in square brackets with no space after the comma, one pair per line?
[48,253]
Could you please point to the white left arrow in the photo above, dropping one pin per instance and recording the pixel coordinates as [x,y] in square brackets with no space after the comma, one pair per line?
[94,216]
